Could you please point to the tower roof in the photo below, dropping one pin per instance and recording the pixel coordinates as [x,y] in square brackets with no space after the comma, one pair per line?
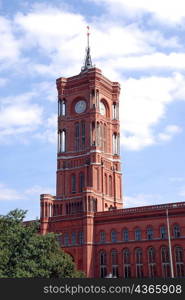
[88,61]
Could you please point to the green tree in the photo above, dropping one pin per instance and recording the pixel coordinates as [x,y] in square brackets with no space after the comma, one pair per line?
[25,253]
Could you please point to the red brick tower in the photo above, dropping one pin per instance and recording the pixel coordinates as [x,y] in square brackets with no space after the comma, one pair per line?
[88,169]
[88,160]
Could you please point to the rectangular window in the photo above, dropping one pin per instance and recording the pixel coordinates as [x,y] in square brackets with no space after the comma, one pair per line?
[73,183]
[83,135]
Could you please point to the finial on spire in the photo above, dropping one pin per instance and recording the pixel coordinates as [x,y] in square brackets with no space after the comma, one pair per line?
[87,62]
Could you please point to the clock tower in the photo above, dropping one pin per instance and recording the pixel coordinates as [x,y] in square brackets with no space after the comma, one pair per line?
[88,159]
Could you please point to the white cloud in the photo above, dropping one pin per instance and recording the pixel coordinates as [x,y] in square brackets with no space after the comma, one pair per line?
[37,190]
[49,132]
[154,61]
[32,193]
[57,34]
[60,35]
[10,45]
[143,105]
[18,116]
[8,194]
[169,132]
[142,200]
[168,11]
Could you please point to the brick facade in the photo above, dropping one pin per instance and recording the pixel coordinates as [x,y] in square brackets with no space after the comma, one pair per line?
[87,211]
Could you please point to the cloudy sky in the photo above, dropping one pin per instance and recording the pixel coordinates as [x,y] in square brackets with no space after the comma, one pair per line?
[139,43]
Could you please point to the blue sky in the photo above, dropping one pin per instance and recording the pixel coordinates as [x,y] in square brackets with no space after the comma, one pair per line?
[139,43]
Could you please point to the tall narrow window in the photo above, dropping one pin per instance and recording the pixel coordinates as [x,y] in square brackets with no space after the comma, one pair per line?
[97,99]
[106,185]
[113,111]
[83,136]
[105,138]
[125,235]
[179,260]
[138,234]
[81,181]
[176,231]
[98,134]
[73,238]
[151,262]
[73,183]
[59,140]
[77,137]
[113,236]
[139,263]
[101,136]
[98,178]
[110,185]
[103,264]
[118,144]
[149,233]
[59,107]
[163,233]
[126,264]
[102,237]
[63,141]
[66,239]
[114,260]
[63,112]
[114,144]
[81,237]
[165,260]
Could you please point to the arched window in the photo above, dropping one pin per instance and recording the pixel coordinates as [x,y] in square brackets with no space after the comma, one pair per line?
[179,260]
[138,234]
[105,138]
[97,99]
[139,263]
[73,183]
[150,233]
[103,264]
[165,260]
[62,140]
[83,135]
[73,238]
[102,237]
[125,235]
[98,134]
[77,137]
[82,184]
[106,185]
[163,233]
[113,236]
[61,107]
[115,111]
[66,239]
[110,185]
[114,144]
[114,260]
[101,136]
[151,262]
[126,264]
[176,231]
[81,237]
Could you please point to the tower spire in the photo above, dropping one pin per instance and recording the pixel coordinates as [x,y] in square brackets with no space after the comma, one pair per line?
[87,62]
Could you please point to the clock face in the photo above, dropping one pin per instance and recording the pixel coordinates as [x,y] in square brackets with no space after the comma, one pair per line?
[80,106]
[102,108]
